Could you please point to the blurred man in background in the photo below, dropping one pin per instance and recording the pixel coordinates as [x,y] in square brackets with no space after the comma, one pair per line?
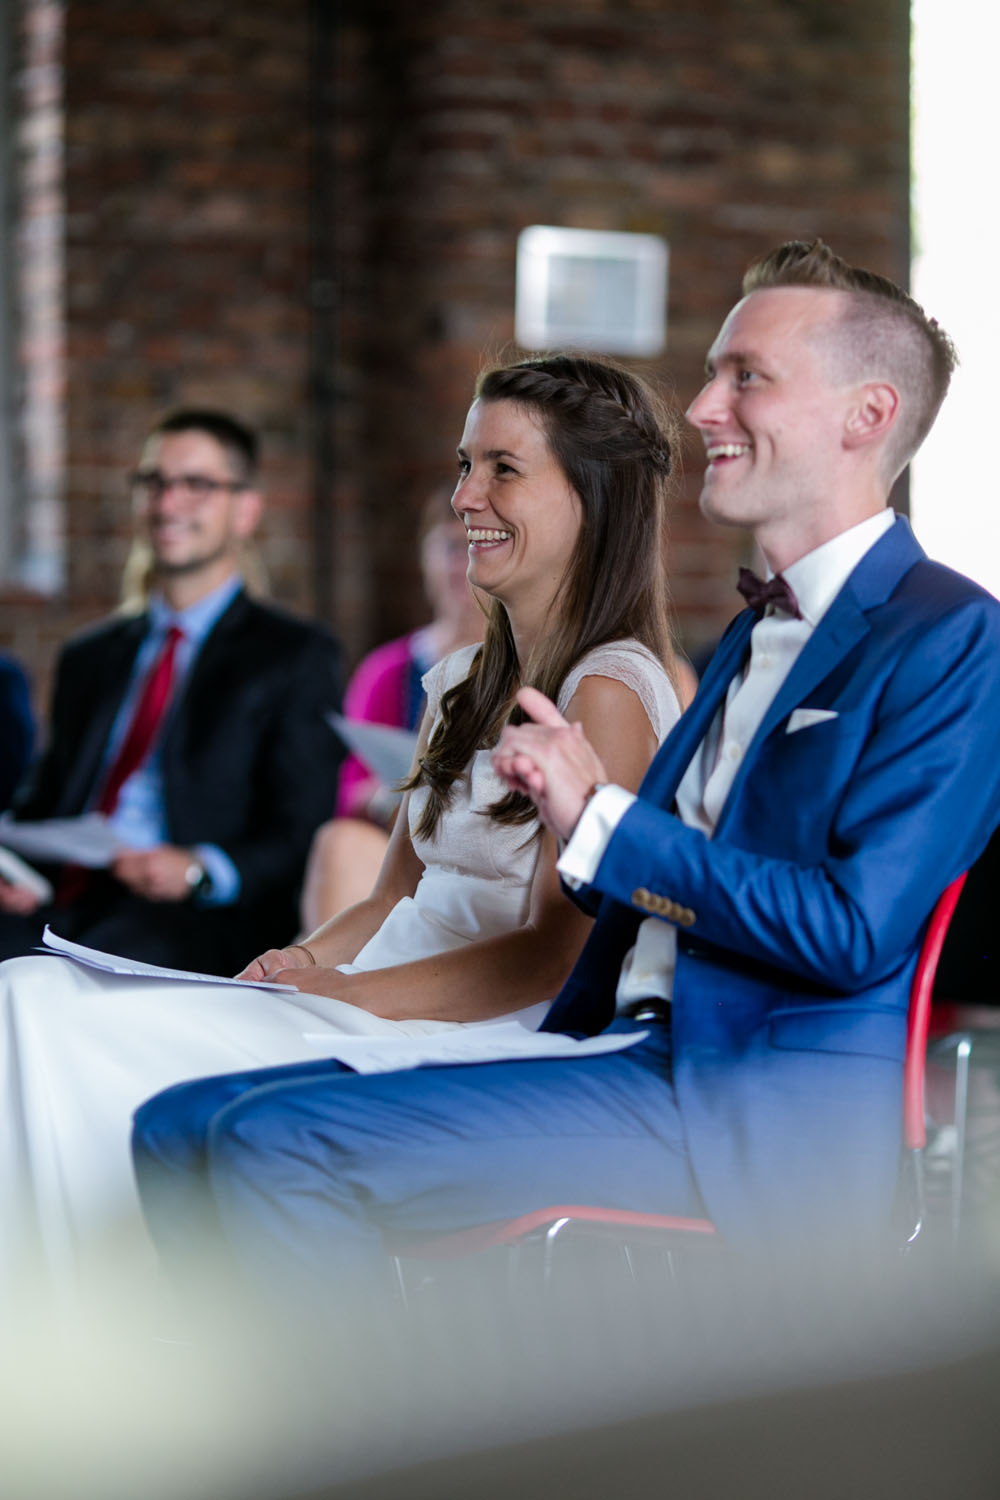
[195,724]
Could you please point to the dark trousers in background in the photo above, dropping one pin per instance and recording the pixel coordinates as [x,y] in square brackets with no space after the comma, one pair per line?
[177,934]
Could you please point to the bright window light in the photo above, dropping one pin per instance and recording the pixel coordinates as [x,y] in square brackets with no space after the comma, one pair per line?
[954,499]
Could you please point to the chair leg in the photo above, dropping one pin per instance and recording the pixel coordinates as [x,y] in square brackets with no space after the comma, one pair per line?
[916,1158]
[513,1264]
[630,1263]
[399,1280]
[548,1254]
[963,1052]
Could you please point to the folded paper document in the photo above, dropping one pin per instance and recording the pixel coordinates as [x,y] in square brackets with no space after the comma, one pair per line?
[14,870]
[386,751]
[499,1041]
[113,963]
[479,1042]
[88,840]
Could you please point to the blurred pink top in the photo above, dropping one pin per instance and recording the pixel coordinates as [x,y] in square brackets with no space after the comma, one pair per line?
[385,689]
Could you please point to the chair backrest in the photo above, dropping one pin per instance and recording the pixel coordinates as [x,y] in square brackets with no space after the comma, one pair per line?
[914,1129]
[970,960]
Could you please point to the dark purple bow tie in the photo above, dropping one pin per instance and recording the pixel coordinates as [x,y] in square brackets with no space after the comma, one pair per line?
[776,591]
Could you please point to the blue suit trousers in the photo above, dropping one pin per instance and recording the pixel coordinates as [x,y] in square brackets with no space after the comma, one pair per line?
[303,1173]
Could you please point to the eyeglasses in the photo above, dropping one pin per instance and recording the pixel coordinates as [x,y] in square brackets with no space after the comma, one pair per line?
[150,484]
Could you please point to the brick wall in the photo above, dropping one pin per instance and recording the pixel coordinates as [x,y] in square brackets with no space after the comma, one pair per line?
[35,429]
[725,126]
[187,148]
[309,213]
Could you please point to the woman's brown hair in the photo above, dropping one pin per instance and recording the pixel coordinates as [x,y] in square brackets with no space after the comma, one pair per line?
[613,440]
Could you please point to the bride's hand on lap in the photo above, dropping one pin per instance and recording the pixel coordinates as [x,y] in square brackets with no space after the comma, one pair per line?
[277,960]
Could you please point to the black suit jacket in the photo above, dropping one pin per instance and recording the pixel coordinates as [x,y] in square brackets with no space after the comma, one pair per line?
[249,762]
[17,727]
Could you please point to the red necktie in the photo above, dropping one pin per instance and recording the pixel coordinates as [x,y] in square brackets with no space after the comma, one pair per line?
[146,722]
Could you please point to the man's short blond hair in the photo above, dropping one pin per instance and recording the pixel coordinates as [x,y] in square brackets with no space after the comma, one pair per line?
[881,334]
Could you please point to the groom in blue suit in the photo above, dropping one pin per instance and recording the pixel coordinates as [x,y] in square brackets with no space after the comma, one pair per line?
[759,905]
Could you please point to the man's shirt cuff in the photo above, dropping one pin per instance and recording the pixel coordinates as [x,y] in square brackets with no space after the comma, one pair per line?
[579,860]
[222,873]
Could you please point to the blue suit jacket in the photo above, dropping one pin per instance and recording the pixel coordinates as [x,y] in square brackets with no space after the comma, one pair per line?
[807,907]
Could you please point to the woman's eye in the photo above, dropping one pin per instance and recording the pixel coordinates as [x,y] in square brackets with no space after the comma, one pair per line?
[464,466]
[746,377]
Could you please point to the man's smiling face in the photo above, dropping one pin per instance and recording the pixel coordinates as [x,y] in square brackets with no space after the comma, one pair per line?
[770,413]
[192,532]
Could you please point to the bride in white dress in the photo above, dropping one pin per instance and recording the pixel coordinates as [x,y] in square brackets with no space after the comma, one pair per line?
[562,484]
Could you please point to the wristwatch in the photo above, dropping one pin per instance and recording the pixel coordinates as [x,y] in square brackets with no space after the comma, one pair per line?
[197,878]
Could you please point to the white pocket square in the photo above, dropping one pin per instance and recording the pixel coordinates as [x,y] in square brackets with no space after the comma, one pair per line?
[802,718]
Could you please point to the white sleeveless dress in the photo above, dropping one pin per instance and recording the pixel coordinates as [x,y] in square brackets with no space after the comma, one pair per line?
[81,1049]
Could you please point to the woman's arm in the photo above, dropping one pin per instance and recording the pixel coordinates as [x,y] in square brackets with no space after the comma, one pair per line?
[497,975]
[341,938]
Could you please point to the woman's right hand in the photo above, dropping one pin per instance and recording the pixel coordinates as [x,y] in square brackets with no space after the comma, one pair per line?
[297,956]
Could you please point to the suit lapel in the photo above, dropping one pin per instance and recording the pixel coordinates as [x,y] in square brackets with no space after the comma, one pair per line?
[844,624]
[114,667]
[672,760]
[198,700]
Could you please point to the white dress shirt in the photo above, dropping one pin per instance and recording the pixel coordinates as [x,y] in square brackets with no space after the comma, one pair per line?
[775,643]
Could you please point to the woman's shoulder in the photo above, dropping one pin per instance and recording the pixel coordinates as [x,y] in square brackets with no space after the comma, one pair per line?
[446,673]
[635,666]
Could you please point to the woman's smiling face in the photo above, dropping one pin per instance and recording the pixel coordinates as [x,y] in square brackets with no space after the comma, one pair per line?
[521,514]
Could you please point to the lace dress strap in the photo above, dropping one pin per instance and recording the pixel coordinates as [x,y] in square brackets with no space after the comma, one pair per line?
[445,674]
[625,661]
[631,663]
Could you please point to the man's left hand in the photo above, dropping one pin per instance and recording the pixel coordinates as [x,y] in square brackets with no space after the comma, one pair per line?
[158,874]
[550,761]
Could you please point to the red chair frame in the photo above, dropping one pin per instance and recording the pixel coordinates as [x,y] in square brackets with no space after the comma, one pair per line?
[921,991]
[918,1024]
[668,1232]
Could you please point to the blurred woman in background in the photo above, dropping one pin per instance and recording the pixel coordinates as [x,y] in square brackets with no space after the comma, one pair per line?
[387,688]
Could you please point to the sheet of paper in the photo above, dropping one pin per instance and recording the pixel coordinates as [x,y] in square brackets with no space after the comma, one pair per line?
[498,1042]
[504,1041]
[88,840]
[113,963]
[386,751]
[14,869]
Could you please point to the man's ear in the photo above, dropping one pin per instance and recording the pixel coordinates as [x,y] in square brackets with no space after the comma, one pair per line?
[250,505]
[871,413]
